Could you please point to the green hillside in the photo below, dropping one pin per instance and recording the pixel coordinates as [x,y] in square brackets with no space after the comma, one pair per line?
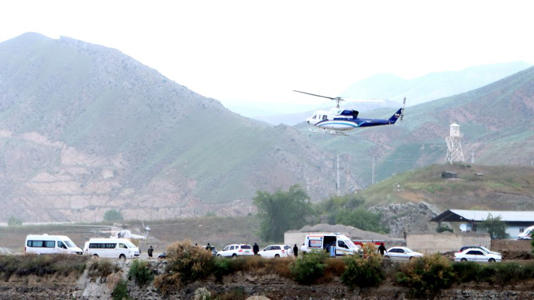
[103,131]
[476,187]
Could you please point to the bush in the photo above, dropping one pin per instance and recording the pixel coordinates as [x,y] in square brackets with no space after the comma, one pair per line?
[366,271]
[113,215]
[140,272]
[467,271]
[426,276]
[503,273]
[120,291]
[41,265]
[14,221]
[309,268]
[102,268]
[185,263]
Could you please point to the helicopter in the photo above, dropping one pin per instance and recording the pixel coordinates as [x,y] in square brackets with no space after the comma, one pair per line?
[339,120]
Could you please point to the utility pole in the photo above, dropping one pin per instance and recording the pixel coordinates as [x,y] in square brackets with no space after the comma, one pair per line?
[338,192]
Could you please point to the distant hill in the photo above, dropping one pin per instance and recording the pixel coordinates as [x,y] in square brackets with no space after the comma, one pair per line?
[85,128]
[497,123]
[431,86]
[476,187]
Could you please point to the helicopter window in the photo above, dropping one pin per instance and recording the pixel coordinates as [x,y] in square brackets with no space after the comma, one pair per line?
[324,117]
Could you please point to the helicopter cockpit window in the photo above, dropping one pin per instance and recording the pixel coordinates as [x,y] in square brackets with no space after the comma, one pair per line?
[324,117]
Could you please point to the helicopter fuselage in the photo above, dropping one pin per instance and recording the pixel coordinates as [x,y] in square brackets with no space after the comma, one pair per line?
[343,120]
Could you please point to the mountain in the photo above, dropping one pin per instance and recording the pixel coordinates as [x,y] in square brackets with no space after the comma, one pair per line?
[85,129]
[431,86]
[496,120]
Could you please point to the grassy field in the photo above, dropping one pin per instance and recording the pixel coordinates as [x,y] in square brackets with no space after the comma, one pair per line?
[218,231]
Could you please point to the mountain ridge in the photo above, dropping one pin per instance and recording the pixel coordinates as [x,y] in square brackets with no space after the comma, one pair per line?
[87,129]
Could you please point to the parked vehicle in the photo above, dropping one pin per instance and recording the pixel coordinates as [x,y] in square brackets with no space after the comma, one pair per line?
[526,234]
[486,250]
[343,244]
[111,248]
[275,251]
[401,253]
[50,244]
[476,255]
[234,250]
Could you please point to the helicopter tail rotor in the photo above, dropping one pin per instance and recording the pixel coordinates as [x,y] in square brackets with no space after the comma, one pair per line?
[402,110]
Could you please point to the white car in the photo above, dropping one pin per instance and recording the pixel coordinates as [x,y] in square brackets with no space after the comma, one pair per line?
[476,255]
[484,249]
[402,253]
[276,251]
[234,250]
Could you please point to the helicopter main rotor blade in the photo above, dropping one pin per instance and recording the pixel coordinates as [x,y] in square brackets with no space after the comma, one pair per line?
[331,98]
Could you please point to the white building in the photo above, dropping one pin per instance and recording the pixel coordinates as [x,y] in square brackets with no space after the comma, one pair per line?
[516,221]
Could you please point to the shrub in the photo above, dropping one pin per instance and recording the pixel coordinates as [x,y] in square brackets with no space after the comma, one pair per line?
[41,265]
[309,268]
[503,273]
[14,221]
[366,271]
[185,263]
[102,268]
[363,272]
[426,276]
[466,271]
[112,215]
[120,291]
[191,262]
[140,272]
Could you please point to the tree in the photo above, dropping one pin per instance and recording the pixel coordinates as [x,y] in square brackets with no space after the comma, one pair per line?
[495,227]
[282,211]
[112,215]
[14,221]
[349,210]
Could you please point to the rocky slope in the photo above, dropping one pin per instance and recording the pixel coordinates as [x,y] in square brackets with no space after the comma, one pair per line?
[84,129]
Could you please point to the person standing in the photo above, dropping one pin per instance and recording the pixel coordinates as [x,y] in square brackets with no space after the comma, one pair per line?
[295,251]
[256,249]
[382,249]
[149,251]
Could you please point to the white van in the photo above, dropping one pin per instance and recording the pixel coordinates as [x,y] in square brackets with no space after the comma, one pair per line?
[320,241]
[50,244]
[111,247]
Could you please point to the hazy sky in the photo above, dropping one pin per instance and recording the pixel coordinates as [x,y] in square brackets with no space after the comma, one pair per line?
[258,51]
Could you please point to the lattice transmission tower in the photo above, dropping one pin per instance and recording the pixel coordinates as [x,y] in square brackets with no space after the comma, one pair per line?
[454,145]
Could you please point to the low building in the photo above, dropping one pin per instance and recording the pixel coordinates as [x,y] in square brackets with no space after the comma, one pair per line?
[516,221]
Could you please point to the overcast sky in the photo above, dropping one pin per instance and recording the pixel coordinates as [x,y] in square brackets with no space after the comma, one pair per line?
[259,51]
